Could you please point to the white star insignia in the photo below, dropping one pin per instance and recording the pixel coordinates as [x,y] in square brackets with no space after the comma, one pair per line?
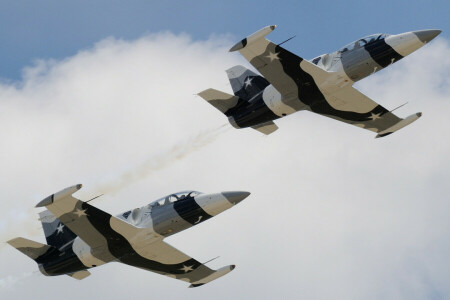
[248,82]
[374,116]
[273,56]
[59,229]
[80,212]
[186,268]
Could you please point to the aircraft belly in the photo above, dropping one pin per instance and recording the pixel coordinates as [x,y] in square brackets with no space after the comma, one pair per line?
[84,254]
[66,262]
[166,221]
[274,101]
[255,113]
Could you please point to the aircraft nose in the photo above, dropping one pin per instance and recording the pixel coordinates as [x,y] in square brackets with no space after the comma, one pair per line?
[427,35]
[235,197]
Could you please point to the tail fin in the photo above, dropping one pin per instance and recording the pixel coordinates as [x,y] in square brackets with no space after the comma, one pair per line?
[245,83]
[30,248]
[56,233]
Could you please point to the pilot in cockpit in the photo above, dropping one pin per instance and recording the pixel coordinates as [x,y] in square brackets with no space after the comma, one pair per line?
[172,198]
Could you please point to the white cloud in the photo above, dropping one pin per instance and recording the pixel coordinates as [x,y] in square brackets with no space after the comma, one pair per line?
[333,212]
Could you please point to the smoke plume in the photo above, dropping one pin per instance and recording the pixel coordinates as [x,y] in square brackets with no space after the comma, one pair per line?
[28,225]
[162,160]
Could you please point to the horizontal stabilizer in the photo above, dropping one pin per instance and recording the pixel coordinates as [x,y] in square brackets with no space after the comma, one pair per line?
[220,100]
[217,274]
[30,248]
[266,128]
[80,274]
[404,122]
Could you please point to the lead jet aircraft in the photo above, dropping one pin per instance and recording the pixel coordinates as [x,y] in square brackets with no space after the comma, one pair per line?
[322,85]
[80,236]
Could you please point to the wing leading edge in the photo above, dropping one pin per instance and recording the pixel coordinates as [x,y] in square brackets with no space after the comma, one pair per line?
[322,92]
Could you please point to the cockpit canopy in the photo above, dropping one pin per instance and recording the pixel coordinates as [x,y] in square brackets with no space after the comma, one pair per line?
[362,42]
[173,198]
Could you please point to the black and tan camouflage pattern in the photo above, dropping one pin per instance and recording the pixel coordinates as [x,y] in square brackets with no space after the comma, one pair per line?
[134,237]
[322,85]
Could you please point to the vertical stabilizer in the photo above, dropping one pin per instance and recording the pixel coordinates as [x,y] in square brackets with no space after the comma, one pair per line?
[245,83]
[56,233]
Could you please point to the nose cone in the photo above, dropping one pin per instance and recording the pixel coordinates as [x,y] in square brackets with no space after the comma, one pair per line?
[235,197]
[427,35]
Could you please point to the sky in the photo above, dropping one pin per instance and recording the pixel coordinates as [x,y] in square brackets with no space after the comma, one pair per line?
[93,92]
[55,29]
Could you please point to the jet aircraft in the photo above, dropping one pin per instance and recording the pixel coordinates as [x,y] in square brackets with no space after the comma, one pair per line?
[80,236]
[322,85]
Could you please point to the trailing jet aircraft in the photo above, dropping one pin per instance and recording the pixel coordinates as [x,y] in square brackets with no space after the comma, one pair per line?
[81,236]
[322,85]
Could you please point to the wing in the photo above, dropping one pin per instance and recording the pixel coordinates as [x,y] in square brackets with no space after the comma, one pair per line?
[105,234]
[164,259]
[113,239]
[357,109]
[265,57]
[319,91]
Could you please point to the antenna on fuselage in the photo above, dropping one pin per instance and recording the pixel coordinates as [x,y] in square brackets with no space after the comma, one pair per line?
[211,260]
[94,198]
[287,40]
[399,106]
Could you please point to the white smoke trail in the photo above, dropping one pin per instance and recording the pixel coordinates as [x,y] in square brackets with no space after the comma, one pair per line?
[162,160]
[26,222]
[20,224]
[9,281]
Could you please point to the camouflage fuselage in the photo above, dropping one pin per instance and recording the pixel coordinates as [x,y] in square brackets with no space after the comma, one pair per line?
[348,65]
[161,218]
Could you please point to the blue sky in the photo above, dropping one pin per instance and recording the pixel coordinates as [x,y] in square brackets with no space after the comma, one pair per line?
[56,29]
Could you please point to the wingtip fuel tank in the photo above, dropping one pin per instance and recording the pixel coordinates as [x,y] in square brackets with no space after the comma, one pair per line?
[253,37]
[217,274]
[405,122]
[59,195]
